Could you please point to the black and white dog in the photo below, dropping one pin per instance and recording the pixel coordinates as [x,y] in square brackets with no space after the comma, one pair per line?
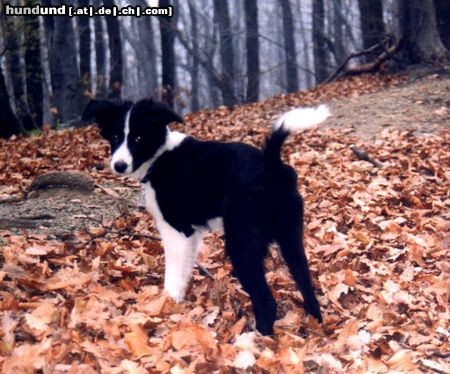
[192,186]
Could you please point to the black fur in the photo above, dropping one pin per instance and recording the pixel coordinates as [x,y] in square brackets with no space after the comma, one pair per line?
[109,116]
[252,190]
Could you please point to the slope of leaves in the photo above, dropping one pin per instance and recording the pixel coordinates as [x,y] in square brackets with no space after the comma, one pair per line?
[376,240]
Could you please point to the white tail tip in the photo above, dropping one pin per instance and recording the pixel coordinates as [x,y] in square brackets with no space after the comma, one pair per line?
[302,118]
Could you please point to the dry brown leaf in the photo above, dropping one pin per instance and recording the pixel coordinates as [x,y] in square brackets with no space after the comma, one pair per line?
[137,342]
[402,360]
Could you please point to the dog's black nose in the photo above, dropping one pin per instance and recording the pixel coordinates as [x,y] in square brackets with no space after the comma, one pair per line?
[120,166]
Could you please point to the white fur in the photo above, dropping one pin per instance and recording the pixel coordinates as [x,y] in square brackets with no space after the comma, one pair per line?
[302,118]
[173,140]
[180,251]
[214,224]
[123,153]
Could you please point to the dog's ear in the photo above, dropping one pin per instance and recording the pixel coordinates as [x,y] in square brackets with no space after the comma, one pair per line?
[95,109]
[104,112]
[171,116]
[157,112]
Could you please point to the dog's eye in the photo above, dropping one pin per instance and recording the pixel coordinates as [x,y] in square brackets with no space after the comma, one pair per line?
[137,139]
[115,138]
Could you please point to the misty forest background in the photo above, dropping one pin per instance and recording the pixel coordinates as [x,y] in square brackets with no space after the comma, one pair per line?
[211,53]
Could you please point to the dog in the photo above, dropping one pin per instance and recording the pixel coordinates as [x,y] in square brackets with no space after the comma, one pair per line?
[192,186]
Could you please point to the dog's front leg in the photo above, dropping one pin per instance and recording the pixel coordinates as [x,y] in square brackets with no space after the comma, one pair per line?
[180,255]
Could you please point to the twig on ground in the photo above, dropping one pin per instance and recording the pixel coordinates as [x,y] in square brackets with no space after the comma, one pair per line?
[362,155]
[204,271]
[38,217]
[22,223]
[12,199]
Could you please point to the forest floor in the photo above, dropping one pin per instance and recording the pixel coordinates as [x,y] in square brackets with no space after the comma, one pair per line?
[81,272]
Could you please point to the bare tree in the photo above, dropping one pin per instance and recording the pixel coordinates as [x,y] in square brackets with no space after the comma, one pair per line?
[222,16]
[308,73]
[115,48]
[289,47]
[100,57]
[143,43]
[33,66]
[9,125]
[195,81]
[339,47]
[319,48]
[11,27]
[168,55]
[209,45]
[205,57]
[252,48]
[418,28]
[147,37]
[372,26]
[64,74]
[443,20]
[84,35]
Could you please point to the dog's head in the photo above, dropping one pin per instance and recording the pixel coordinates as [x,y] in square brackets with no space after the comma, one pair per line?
[134,131]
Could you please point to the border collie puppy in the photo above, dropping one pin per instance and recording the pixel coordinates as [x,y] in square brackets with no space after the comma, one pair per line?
[192,186]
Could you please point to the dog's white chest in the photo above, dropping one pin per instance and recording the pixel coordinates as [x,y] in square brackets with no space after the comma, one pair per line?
[151,203]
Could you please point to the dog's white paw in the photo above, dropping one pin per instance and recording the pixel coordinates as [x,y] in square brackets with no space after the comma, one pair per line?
[175,293]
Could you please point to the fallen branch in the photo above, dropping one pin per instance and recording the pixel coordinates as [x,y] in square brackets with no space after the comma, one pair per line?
[362,155]
[12,199]
[38,217]
[22,223]
[204,271]
[63,179]
[369,67]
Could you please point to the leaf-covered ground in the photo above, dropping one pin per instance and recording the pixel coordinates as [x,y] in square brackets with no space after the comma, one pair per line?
[377,240]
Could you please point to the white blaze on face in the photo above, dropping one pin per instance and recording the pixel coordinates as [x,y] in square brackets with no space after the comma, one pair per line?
[122,159]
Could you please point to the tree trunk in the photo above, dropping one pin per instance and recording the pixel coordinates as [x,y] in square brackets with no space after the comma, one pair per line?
[146,35]
[195,82]
[306,50]
[289,47]
[443,20]
[15,70]
[252,48]
[84,35]
[142,66]
[168,56]
[339,47]
[418,28]
[209,46]
[372,25]
[9,125]
[222,16]
[65,78]
[115,48]
[49,30]
[100,57]
[33,66]
[319,48]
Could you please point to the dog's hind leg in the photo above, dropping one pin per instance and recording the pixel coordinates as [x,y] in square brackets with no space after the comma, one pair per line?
[246,246]
[250,272]
[180,254]
[289,235]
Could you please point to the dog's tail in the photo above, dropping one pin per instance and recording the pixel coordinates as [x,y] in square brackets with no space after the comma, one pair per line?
[292,122]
